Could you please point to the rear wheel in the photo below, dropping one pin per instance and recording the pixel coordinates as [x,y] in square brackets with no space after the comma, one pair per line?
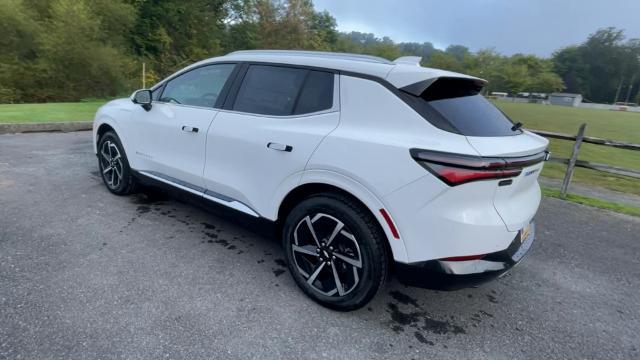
[114,166]
[335,251]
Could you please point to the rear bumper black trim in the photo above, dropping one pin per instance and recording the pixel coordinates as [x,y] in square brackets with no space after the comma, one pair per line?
[455,275]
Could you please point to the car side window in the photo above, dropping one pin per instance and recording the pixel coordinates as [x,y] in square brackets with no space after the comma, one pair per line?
[197,87]
[269,90]
[277,90]
[316,94]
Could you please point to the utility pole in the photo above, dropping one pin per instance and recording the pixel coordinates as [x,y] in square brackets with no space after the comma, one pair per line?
[618,91]
[144,75]
[633,78]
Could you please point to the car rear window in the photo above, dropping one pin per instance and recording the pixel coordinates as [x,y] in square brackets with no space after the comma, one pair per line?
[456,105]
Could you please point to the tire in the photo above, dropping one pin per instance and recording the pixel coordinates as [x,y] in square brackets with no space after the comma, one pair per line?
[355,252]
[114,165]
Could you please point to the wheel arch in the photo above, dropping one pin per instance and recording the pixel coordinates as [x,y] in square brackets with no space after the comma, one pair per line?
[357,192]
[101,126]
[107,123]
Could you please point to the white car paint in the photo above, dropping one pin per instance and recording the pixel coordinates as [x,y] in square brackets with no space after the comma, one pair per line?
[361,146]
[165,148]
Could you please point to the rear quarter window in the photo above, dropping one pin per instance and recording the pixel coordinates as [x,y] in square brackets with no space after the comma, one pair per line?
[316,94]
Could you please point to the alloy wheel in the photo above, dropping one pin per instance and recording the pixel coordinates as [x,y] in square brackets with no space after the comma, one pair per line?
[111,164]
[327,255]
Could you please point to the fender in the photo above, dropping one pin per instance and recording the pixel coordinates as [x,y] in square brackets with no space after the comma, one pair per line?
[353,187]
[102,118]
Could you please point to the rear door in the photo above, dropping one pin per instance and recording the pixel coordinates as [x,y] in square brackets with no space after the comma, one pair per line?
[275,118]
[172,135]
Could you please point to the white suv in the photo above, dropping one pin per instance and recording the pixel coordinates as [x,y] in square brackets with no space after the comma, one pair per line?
[363,164]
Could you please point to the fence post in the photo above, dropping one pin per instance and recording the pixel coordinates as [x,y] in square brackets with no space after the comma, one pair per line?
[572,162]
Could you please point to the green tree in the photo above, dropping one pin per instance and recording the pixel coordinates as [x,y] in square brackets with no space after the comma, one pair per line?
[174,33]
[569,63]
[546,82]
[77,57]
[515,78]
[19,49]
[424,50]
[602,67]
[446,61]
[459,52]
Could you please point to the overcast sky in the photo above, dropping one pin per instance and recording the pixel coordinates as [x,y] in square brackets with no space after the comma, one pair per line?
[510,26]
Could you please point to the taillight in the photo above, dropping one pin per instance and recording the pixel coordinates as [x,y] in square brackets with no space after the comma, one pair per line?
[456,169]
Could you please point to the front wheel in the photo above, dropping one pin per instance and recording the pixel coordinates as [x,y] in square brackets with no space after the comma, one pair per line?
[114,166]
[335,251]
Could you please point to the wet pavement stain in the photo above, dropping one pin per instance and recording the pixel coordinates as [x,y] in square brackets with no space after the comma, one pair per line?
[151,198]
[143,209]
[404,298]
[208,226]
[422,339]
[397,329]
[211,233]
[420,321]
[280,262]
[492,299]
[278,272]
[442,327]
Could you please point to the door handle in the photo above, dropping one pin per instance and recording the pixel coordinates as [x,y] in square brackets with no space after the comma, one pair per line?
[189,129]
[279,147]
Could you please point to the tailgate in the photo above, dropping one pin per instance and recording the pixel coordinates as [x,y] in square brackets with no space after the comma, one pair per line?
[516,201]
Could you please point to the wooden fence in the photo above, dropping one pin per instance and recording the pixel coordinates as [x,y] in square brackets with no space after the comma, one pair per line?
[573,162]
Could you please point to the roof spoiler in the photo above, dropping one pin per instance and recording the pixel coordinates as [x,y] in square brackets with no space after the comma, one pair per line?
[418,88]
[408,60]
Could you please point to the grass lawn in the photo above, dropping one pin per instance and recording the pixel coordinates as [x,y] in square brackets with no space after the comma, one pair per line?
[615,125]
[26,113]
[601,204]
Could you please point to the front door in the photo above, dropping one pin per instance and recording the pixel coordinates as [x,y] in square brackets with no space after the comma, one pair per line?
[171,136]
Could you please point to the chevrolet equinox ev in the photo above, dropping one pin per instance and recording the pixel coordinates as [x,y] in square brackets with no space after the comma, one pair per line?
[363,164]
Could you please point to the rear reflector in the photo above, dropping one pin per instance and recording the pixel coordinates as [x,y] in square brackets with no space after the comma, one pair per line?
[390,223]
[463,258]
[456,169]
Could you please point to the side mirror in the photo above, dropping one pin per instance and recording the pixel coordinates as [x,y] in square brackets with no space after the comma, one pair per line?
[142,97]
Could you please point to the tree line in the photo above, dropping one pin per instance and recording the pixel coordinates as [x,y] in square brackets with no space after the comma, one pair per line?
[67,50]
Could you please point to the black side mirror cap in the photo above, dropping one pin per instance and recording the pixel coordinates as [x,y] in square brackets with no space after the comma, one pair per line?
[143,98]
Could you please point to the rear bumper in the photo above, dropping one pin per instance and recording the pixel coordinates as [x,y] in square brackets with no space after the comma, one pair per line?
[453,275]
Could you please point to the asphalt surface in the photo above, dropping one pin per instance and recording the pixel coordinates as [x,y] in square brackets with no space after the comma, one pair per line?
[86,274]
